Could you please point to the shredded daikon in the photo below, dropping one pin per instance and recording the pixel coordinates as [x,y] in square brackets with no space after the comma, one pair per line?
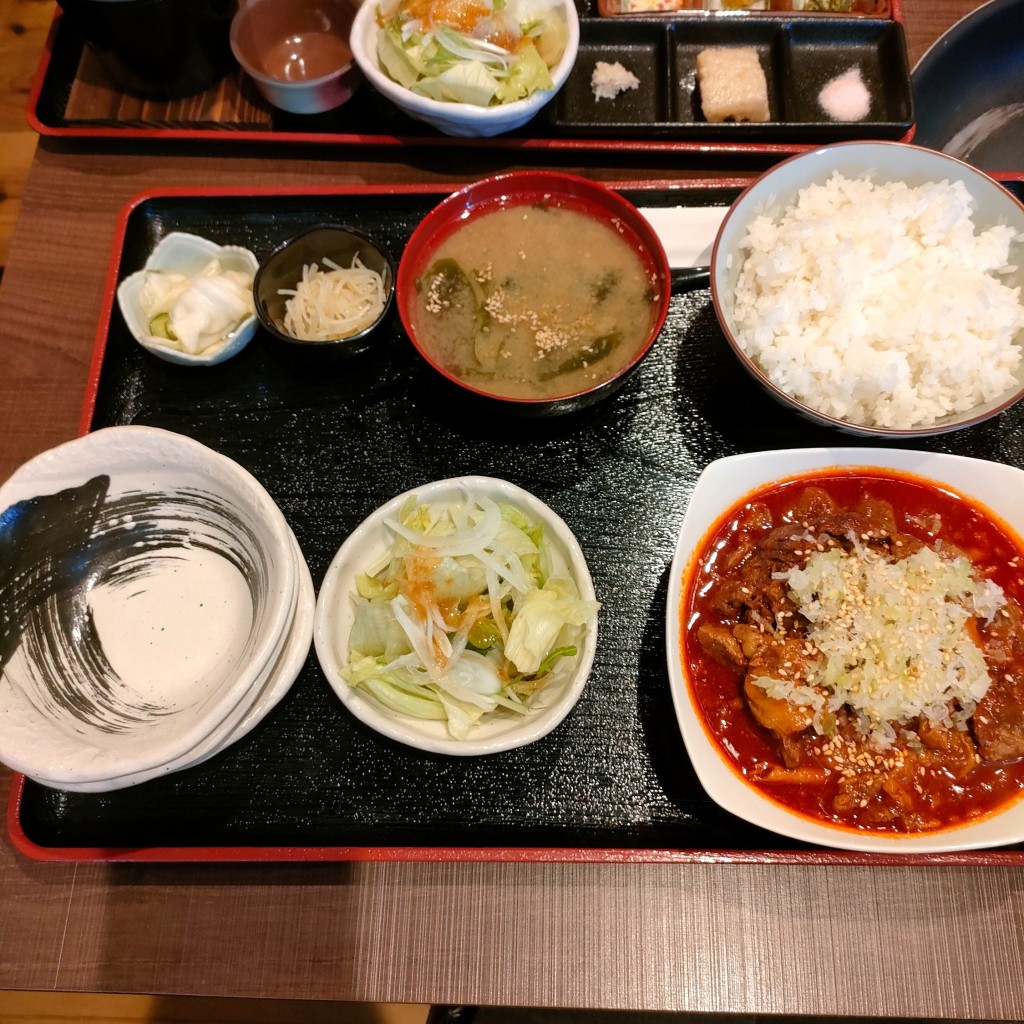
[894,637]
[336,303]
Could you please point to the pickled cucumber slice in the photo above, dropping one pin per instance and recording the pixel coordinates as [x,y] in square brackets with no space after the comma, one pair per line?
[160,327]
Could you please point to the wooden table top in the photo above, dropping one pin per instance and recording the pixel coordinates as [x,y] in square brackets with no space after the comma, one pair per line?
[753,938]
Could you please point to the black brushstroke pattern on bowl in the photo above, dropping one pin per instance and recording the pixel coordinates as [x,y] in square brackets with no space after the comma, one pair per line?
[55,549]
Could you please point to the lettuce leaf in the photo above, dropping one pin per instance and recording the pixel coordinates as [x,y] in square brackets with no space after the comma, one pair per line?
[464,82]
[394,58]
[539,621]
[528,75]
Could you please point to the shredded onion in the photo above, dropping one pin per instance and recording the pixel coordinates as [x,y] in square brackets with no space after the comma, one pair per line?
[336,303]
[893,636]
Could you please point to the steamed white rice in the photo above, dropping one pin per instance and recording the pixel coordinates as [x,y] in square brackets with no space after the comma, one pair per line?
[880,304]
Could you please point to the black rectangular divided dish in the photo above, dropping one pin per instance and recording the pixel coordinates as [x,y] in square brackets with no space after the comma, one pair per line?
[798,55]
[332,441]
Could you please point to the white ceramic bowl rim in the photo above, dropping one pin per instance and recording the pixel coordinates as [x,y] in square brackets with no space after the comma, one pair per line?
[720,487]
[333,620]
[819,164]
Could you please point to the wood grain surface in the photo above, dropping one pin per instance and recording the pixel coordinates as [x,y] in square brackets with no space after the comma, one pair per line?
[23,28]
[94,97]
[939,942]
[105,1008]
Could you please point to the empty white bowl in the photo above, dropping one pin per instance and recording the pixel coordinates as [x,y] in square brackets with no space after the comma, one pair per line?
[186,254]
[334,617]
[459,119]
[240,723]
[727,482]
[150,585]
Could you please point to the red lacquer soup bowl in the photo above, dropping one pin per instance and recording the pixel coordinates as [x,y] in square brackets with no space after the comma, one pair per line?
[534,292]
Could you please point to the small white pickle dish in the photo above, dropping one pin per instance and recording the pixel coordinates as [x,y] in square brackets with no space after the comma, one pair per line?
[335,614]
[187,254]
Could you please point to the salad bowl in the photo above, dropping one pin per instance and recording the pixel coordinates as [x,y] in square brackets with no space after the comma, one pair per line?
[373,544]
[463,119]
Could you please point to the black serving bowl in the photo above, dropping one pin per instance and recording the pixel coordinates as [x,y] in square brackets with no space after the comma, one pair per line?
[528,189]
[282,269]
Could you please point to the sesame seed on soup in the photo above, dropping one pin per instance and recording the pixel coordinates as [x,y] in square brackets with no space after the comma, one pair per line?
[535,302]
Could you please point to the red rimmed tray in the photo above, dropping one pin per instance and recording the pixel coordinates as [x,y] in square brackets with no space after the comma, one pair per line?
[332,441]
[859,8]
[72,96]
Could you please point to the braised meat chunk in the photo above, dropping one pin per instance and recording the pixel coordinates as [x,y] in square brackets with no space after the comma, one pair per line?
[777,715]
[720,643]
[999,720]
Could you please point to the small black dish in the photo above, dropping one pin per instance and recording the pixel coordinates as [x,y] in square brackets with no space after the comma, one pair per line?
[282,269]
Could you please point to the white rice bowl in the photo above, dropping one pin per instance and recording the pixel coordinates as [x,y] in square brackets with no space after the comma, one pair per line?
[877,286]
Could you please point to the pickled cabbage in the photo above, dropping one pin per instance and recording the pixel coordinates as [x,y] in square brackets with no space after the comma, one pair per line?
[196,314]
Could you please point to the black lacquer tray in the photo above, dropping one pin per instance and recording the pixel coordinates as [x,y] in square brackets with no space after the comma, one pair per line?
[332,439]
[73,97]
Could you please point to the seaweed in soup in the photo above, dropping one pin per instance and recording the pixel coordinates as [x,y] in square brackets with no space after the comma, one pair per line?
[535,302]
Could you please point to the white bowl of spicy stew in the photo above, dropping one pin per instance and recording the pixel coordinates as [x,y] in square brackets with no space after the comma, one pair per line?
[845,644]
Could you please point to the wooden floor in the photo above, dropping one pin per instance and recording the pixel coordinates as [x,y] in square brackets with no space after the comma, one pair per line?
[23,27]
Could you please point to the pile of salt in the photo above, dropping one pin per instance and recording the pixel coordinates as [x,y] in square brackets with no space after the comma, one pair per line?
[846,97]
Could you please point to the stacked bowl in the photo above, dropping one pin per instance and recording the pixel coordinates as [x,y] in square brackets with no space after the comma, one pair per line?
[155,605]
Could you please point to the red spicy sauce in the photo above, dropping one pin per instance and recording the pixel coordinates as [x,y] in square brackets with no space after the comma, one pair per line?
[922,509]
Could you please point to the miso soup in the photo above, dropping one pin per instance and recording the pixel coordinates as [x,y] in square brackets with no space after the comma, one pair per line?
[535,302]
